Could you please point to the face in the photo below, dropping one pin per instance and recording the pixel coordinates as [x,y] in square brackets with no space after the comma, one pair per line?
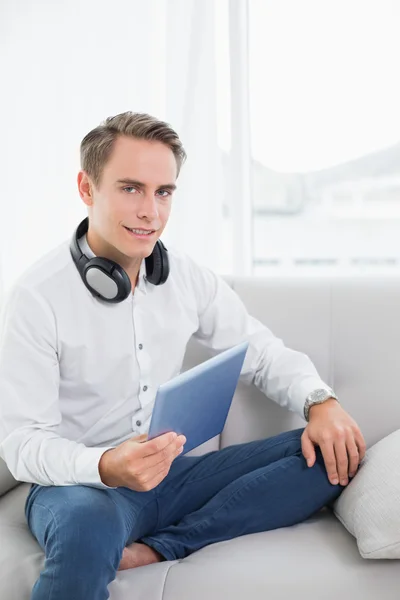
[135,192]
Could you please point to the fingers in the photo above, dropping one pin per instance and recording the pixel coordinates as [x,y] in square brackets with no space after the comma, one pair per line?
[154,461]
[328,453]
[308,449]
[362,448]
[149,478]
[163,458]
[159,443]
[156,477]
[342,457]
[342,461]
[158,454]
[354,456]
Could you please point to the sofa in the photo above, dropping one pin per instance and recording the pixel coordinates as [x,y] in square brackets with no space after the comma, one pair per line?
[351,330]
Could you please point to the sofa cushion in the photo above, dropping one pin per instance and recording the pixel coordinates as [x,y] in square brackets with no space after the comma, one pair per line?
[7,481]
[22,559]
[369,507]
[317,559]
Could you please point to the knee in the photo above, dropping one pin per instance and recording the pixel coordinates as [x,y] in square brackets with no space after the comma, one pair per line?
[320,461]
[333,491]
[88,531]
[294,446]
[295,435]
[98,522]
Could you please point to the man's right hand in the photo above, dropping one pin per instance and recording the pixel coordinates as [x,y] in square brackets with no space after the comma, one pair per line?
[138,464]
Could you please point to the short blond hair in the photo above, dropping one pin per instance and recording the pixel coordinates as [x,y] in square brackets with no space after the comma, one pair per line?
[97,145]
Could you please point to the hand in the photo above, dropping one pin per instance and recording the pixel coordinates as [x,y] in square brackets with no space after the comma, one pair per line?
[138,464]
[339,438]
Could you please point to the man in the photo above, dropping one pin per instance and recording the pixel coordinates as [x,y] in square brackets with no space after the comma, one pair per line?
[83,353]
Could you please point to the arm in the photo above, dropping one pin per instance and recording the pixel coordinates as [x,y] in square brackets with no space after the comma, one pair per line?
[284,375]
[29,401]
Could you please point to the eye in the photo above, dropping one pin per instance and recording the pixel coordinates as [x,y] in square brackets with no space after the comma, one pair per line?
[129,187]
[165,193]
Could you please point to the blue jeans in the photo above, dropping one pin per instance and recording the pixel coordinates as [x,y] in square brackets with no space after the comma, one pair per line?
[241,489]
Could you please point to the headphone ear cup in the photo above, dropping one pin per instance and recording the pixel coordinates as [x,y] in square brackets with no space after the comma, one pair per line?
[121,277]
[106,279]
[157,264]
[103,277]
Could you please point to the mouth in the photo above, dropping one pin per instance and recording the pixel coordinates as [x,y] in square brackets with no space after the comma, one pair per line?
[140,233]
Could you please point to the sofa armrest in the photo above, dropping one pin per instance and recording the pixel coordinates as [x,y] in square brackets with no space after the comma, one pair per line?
[7,481]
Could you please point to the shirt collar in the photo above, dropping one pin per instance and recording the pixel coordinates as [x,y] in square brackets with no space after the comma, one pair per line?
[86,249]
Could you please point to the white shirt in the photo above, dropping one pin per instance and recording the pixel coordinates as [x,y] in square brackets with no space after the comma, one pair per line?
[79,376]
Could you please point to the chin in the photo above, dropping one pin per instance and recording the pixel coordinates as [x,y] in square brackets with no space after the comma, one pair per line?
[141,252]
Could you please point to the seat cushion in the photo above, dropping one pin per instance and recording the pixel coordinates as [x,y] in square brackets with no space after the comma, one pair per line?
[22,559]
[315,560]
[318,558]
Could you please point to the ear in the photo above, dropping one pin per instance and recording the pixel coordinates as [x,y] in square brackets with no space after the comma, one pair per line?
[85,188]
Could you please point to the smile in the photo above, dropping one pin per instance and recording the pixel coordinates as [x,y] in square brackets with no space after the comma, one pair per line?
[142,233]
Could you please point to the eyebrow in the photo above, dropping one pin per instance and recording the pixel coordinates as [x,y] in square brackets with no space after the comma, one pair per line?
[167,186]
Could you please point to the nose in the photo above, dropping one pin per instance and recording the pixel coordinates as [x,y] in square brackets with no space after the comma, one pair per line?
[148,208]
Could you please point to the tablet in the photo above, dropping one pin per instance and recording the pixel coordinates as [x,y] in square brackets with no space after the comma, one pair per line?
[196,402]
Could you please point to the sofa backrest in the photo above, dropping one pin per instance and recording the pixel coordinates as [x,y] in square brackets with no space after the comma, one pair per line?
[350,328]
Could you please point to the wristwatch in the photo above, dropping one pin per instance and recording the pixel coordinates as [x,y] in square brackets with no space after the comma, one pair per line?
[317,397]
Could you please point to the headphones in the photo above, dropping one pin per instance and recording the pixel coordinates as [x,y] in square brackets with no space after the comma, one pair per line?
[105,278]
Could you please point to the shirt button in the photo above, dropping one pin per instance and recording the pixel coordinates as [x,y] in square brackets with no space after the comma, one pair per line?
[138,423]
[145,388]
[140,346]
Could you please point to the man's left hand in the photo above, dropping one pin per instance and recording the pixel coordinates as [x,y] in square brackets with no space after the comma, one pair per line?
[341,442]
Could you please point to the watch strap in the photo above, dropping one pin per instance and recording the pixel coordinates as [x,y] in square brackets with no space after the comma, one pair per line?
[318,396]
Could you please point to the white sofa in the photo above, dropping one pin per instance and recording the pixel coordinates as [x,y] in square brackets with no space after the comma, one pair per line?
[351,330]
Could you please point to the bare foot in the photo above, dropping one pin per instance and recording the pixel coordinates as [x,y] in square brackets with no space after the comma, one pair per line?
[138,555]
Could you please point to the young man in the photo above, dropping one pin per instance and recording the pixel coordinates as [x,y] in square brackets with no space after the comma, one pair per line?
[79,373]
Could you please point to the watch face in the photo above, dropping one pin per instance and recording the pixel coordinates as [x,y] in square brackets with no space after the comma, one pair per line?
[320,396]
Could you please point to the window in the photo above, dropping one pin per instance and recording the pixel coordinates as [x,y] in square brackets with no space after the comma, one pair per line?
[324,102]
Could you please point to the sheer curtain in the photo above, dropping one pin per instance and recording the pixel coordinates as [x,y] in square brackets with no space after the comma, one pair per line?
[67,66]
[246,203]
[196,223]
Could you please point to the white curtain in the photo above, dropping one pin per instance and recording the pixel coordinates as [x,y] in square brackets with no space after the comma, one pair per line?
[65,67]
[196,223]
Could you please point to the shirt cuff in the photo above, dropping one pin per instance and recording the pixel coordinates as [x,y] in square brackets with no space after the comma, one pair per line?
[87,468]
[298,393]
